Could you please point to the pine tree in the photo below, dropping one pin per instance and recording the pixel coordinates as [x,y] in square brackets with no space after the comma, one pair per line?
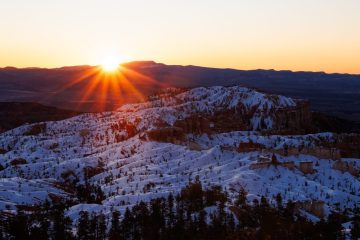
[333,227]
[241,201]
[83,231]
[61,225]
[101,227]
[202,225]
[115,230]
[2,230]
[19,226]
[156,219]
[127,224]
[278,201]
[93,226]
[179,228]
[39,231]
[355,227]
[141,219]
[99,195]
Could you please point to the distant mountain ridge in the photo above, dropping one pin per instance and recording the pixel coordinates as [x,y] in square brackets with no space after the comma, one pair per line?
[335,94]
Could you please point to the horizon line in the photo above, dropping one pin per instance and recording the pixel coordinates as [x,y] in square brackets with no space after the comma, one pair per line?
[189,65]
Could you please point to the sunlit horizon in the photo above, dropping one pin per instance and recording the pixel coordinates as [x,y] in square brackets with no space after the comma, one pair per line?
[292,35]
[121,63]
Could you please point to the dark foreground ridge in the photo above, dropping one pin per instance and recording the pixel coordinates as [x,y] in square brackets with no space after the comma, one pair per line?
[193,214]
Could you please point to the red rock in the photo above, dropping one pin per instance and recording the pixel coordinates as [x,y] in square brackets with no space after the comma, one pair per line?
[306,167]
[18,161]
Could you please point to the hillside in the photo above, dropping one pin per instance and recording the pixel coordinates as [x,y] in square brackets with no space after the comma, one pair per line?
[226,136]
[14,114]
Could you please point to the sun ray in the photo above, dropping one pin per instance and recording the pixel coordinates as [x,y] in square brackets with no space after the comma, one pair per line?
[104,94]
[141,77]
[83,76]
[128,85]
[100,86]
[115,86]
[89,89]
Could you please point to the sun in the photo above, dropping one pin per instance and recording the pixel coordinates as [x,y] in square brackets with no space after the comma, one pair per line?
[110,64]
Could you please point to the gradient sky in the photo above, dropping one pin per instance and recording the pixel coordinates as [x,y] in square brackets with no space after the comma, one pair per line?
[316,35]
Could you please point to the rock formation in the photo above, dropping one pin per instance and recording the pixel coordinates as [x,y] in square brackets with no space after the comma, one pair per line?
[250,147]
[18,161]
[36,129]
[348,144]
[166,134]
[265,162]
[306,167]
[314,207]
[345,167]
[195,124]
[319,152]
[293,119]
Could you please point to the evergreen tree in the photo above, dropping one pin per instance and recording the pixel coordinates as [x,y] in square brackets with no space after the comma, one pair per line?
[84,230]
[19,226]
[278,199]
[141,220]
[39,230]
[115,230]
[241,200]
[334,228]
[355,226]
[127,224]
[202,225]
[101,227]
[157,220]
[179,227]
[61,225]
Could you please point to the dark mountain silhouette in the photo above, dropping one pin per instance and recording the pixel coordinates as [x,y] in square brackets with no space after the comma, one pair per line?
[334,94]
[14,114]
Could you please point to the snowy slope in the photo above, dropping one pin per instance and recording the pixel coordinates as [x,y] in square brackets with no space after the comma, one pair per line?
[137,169]
[209,101]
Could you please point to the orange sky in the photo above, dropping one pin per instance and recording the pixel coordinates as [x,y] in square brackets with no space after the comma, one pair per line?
[321,35]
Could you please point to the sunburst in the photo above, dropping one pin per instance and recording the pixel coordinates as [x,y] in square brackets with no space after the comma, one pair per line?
[110,64]
[108,83]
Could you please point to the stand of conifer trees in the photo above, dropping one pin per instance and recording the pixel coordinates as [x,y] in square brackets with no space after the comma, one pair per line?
[193,214]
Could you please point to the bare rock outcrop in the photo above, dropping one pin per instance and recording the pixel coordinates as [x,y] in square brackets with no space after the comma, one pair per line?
[36,129]
[345,167]
[260,165]
[196,124]
[314,207]
[250,147]
[18,161]
[166,134]
[293,119]
[319,152]
[306,167]
[265,162]
[348,144]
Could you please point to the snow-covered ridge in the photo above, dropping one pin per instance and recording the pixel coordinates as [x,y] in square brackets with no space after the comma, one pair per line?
[144,116]
[221,97]
[132,164]
[211,100]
